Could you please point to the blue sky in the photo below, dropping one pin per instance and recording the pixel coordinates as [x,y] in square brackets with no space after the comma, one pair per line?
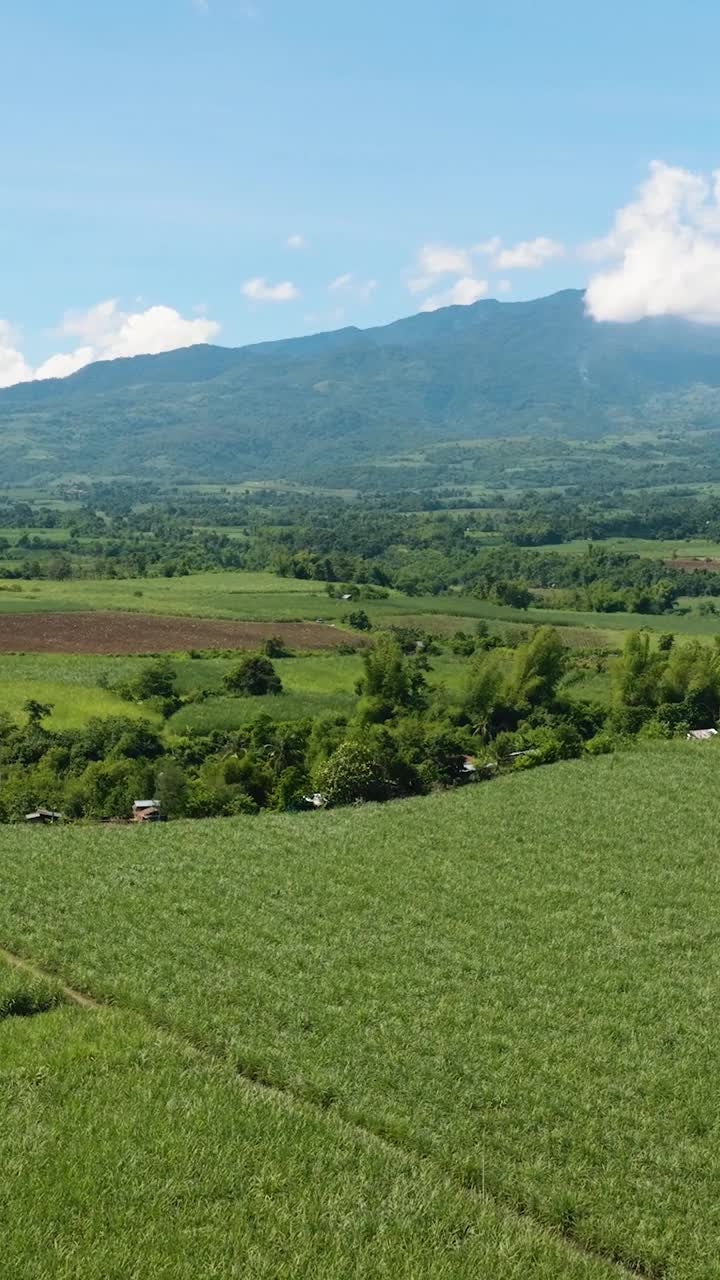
[158,157]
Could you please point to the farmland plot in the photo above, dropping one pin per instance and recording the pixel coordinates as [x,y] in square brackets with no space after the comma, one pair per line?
[516,982]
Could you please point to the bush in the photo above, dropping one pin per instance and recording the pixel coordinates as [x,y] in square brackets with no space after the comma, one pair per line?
[444,763]
[253,677]
[354,772]
[275,647]
[358,620]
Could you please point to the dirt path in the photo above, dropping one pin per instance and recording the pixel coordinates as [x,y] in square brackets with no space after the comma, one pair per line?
[70,994]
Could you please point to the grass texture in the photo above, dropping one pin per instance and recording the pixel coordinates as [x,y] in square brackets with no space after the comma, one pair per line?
[517,982]
[128,1155]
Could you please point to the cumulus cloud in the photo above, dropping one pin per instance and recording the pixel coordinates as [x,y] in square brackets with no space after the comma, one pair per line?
[260,291]
[666,247]
[437,260]
[464,291]
[442,260]
[105,332]
[296,242]
[528,254]
[13,366]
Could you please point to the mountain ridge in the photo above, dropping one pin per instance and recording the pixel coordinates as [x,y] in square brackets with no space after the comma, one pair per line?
[354,398]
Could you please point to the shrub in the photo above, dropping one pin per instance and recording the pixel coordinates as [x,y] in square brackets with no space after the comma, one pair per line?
[253,677]
[354,772]
[358,620]
[275,647]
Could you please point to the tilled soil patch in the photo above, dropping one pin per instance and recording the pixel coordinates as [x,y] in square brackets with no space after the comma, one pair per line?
[694,562]
[116,633]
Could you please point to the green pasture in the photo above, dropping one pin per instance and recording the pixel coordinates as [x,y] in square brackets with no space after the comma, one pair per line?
[257,596]
[312,685]
[651,548]
[515,985]
[46,535]
[69,683]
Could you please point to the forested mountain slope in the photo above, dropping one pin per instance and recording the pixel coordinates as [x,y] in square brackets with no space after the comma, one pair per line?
[334,407]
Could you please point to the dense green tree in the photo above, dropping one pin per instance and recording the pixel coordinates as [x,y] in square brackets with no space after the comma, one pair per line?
[354,772]
[537,669]
[254,676]
[637,674]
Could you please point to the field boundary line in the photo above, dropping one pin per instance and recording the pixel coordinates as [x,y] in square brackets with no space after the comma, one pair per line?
[73,996]
[289,1098]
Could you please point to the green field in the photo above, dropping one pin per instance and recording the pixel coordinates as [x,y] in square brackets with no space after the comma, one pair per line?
[514,985]
[653,548]
[266,597]
[126,1153]
[314,684]
[68,683]
[220,595]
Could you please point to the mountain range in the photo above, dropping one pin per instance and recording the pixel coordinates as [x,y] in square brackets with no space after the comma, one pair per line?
[366,407]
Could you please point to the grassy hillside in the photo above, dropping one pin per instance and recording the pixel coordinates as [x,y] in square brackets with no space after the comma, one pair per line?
[127,1154]
[516,982]
[334,408]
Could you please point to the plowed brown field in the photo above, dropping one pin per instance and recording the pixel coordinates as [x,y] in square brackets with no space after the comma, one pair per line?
[109,632]
[694,562]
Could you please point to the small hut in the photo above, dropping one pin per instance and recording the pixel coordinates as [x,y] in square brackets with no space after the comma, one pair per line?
[43,815]
[146,811]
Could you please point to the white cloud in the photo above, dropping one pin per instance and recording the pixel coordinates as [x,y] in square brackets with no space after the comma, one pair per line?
[296,242]
[488,248]
[346,283]
[528,254]
[106,332]
[442,260]
[64,363]
[437,260]
[13,366]
[504,286]
[666,247]
[260,291]
[464,291]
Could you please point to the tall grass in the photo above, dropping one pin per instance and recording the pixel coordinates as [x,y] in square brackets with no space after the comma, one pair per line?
[125,1153]
[518,980]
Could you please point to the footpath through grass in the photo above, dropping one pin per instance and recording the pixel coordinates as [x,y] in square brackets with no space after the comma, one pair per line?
[127,1155]
[519,981]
